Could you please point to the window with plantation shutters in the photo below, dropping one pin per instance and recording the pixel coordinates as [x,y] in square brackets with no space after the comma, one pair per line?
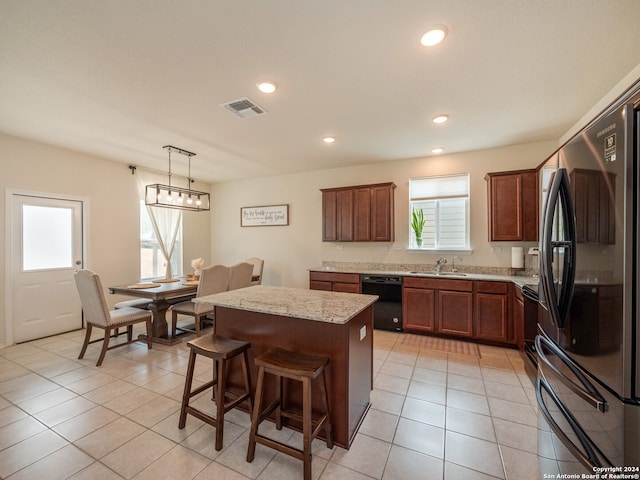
[444,202]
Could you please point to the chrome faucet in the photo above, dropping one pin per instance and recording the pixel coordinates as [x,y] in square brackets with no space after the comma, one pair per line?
[439,263]
[453,263]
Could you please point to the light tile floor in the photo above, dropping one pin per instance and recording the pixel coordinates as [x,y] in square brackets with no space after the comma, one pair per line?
[433,416]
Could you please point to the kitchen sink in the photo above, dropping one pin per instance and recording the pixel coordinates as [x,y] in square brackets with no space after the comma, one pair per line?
[442,274]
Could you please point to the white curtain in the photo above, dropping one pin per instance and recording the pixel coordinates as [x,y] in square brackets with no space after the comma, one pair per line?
[165,221]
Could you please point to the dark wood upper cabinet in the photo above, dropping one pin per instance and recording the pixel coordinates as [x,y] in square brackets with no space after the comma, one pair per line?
[362,213]
[382,207]
[513,206]
[594,203]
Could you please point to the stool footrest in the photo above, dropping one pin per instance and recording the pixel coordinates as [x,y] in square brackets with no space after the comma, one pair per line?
[202,388]
[317,423]
[265,413]
[200,415]
[281,447]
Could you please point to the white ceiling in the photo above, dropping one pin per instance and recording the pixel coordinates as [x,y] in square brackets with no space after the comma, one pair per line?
[121,78]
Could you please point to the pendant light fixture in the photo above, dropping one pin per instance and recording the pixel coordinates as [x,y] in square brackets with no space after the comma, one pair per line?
[171,196]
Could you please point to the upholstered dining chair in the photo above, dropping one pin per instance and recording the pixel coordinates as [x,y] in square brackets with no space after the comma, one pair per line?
[97,313]
[213,279]
[258,266]
[240,275]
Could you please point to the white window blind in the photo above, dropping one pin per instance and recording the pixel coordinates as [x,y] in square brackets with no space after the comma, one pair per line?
[444,202]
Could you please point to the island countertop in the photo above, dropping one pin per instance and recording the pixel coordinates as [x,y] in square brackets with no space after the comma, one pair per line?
[322,306]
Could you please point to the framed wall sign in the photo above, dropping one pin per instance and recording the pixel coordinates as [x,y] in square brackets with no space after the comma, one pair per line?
[268,215]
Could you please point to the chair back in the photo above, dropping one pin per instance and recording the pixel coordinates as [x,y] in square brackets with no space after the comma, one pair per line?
[213,279]
[94,303]
[258,265]
[240,276]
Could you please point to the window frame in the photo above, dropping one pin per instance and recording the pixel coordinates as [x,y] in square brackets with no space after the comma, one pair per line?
[438,200]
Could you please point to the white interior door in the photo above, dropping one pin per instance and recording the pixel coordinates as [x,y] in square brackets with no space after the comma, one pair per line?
[46,249]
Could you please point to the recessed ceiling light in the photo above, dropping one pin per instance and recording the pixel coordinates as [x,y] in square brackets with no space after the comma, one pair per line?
[434,36]
[267,87]
[329,139]
[440,118]
[437,150]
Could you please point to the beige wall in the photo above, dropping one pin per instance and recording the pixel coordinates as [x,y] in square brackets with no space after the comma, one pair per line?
[290,250]
[113,236]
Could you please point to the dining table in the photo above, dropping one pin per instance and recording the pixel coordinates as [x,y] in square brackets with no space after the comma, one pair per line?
[163,294]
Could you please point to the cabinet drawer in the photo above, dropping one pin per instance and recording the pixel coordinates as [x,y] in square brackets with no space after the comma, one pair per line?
[420,282]
[335,277]
[439,284]
[493,287]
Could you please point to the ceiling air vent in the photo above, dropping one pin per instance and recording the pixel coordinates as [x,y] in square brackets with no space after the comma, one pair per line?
[244,108]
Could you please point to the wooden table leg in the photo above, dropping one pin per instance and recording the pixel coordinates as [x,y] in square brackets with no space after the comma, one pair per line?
[159,325]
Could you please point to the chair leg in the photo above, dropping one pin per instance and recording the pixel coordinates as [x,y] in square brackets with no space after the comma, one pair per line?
[105,345]
[174,322]
[255,417]
[247,380]
[281,394]
[307,427]
[186,395]
[87,337]
[196,318]
[149,334]
[219,388]
[129,333]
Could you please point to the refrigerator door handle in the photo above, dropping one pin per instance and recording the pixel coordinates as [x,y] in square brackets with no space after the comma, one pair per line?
[585,390]
[587,455]
[559,194]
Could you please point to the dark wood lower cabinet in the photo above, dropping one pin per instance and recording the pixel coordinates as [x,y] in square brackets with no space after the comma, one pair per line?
[419,310]
[492,312]
[335,282]
[455,313]
[468,309]
[492,321]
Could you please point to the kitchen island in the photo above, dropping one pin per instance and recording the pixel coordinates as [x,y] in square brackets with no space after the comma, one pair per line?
[334,324]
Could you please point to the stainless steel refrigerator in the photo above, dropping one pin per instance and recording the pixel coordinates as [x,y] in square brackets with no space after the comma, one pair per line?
[588,384]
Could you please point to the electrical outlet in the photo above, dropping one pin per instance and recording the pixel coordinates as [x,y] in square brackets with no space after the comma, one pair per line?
[339,247]
[384,248]
[496,249]
[363,332]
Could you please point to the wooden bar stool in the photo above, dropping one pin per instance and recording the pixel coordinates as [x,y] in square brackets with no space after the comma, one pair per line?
[303,368]
[221,350]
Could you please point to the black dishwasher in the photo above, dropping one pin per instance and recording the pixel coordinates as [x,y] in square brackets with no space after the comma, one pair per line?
[387,311]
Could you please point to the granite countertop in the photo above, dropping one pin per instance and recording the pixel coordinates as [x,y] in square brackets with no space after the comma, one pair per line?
[518,280]
[322,306]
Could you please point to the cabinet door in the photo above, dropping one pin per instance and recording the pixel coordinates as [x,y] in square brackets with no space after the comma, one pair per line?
[492,317]
[418,309]
[455,313]
[320,285]
[382,206]
[362,215]
[345,215]
[346,287]
[513,206]
[329,216]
